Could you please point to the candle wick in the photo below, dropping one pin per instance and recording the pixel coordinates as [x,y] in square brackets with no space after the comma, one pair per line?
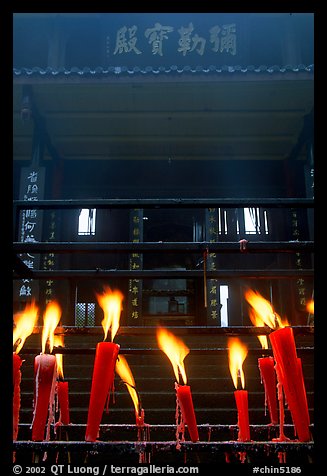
[138,397]
[47,347]
[180,377]
[276,320]
[18,341]
[239,379]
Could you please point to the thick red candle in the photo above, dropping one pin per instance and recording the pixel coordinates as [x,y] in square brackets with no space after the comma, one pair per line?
[184,396]
[241,398]
[268,376]
[45,379]
[290,370]
[102,382]
[17,362]
[62,389]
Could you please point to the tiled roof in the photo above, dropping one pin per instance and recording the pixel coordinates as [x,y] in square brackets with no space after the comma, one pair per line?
[156,70]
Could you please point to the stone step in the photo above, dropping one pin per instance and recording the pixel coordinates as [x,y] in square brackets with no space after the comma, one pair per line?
[161,432]
[155,399]
[166,415]
[153,365]
[158,384]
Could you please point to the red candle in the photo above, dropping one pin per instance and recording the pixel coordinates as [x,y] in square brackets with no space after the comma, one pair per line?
[62,385]
[17,362]
[241,398]
[45,379]
[62,390]
[24,323]
[268,376]
[176,351]
[237,353]
[282,436]
[184,396]
[102,382]
[283,345]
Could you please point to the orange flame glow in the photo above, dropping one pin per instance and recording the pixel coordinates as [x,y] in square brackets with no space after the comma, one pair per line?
[264,311]
[311,306]
[111,304]
[237,353]
[258,322]
[51,319]
[25,322]
[125,373]
[58,341]
[176,351]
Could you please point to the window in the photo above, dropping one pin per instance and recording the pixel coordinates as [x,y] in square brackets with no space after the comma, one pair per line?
[255,222]
[249,221]
[224,305]
[222,222]
[86,221]
[85,314]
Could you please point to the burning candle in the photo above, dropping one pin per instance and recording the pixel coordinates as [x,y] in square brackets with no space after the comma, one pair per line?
[45,379]
[288,366]
[105,361]
[268,377]
[125,373]
[17,362]
[176,351]
[62,386]
[143,434]
[261,307]
[45,373]
[291,376]
[24,323]
[237,353]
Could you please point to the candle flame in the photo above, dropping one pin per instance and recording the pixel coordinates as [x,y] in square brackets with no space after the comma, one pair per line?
[311,307]
[25,322]
[58,341]
[125,373]
[237,352]
[176,351]
[110,302]
[51,319]
[258,322]
[264,310]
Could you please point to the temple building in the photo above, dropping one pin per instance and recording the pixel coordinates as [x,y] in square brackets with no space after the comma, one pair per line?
[170,157]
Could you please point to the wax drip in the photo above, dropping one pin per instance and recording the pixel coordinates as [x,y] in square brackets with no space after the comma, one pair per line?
[281,454]
[58,423]
[51,417]
[111,391]
[36,394]
[180,424]
[16,404]
[242,456]
[143,434]
[282,457]
[282,436]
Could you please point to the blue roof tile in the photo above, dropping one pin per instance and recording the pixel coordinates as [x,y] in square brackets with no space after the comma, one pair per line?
[137,70]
